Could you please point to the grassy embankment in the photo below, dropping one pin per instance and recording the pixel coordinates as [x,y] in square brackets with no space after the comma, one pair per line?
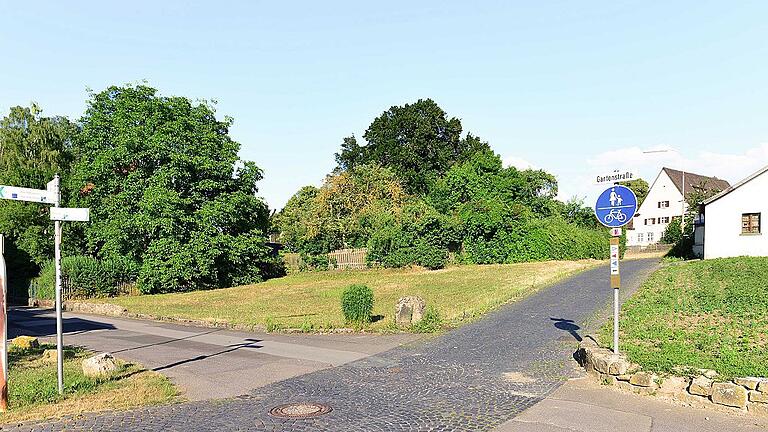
[703,314]
[311,301]
[33,394]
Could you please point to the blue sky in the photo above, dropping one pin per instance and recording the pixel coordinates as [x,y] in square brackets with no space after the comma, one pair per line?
[571,87]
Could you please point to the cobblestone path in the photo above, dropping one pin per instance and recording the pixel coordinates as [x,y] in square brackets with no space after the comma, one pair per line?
[470,379]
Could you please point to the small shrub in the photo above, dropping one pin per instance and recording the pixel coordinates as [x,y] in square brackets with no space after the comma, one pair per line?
[431,322]
[357,304]
[271,325]
[307,327]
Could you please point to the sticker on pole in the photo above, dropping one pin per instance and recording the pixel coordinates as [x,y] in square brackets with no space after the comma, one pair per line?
[616,206]
[614,260]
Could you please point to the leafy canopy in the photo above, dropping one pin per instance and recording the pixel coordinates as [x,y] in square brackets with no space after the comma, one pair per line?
[33,148]
[166,188]
[417,141]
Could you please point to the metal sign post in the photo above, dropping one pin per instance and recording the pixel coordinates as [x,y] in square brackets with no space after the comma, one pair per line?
[615,208]
[3,328]
[54,188]
[615,284]
[50,195]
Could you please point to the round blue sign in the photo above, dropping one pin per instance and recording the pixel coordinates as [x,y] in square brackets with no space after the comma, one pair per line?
[616,206]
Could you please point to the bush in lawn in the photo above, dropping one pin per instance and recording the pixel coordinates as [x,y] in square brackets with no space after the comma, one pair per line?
[357,304]
[430,322]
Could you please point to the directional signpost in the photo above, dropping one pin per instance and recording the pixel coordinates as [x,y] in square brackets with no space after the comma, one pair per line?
[50,195]
[615,207]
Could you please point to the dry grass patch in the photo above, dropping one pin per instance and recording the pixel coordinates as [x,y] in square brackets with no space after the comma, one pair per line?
[311,301]
[33,394]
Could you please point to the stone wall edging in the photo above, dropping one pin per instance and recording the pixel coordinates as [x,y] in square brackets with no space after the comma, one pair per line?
[699,387]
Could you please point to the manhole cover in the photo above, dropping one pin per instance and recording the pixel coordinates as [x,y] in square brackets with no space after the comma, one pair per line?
[300,410]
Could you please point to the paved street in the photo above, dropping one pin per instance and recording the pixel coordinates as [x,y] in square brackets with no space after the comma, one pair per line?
[205,363]
[472,379]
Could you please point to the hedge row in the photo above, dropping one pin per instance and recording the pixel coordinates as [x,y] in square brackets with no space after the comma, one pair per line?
[87,276]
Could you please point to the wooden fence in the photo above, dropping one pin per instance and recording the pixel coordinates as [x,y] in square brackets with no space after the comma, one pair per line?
[346,259]
[341,259]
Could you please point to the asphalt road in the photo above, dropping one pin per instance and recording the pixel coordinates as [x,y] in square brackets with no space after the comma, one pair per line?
[205,363]
[475,378]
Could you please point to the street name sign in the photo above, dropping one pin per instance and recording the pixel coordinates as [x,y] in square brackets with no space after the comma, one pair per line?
[26,194]
[616,206]
[70,214]
[616,176]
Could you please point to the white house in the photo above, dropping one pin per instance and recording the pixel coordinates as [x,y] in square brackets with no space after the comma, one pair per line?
[733,219]
[665,202]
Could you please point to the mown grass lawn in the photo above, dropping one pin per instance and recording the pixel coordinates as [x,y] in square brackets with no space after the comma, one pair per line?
[33,394]
[311,301]
[703,314]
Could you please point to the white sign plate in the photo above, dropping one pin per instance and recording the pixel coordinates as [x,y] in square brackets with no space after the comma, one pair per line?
[26,194]
[616,232]
[614,259]
[616,176]
[70,214]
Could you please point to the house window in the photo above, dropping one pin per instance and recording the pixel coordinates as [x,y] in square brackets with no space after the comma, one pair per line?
[639,237]
[750,223]
[650,237]
[664,220]
[663,204]
[650,221]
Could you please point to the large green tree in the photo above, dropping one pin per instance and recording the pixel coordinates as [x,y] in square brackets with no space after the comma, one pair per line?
[417,141]
[33,148]
[340,213]
[166,188]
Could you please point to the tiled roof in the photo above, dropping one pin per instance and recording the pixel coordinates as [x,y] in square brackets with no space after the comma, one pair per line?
[695,182]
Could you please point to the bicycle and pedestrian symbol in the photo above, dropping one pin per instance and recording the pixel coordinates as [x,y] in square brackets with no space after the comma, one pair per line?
[616,206]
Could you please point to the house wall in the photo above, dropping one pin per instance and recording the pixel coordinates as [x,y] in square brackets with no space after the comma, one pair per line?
[722,221]
[662,190]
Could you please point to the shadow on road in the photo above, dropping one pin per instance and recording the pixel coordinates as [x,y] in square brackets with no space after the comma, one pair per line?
[34,322]
[569,326]
[250,343]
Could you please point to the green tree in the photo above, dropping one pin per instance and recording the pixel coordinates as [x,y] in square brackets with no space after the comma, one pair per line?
[683,231]
[340,213]
[33,149]
[639,187]
[417,141]
[167,189]
[673,233]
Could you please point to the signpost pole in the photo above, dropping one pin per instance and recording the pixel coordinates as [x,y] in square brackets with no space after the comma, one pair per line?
[615,207]
[615,284]
[4,329]
[59,321]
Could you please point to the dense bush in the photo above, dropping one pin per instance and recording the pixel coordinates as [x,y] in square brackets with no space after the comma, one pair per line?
[420,236]
[357,304]
[87,276]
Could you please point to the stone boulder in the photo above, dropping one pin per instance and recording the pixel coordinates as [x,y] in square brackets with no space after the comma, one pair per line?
[25,342]
[50,356]
[729,394]
[701,386]
[673,385]
[409,310]
[99,365]
[750,383]
[643,379]
[603,360]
